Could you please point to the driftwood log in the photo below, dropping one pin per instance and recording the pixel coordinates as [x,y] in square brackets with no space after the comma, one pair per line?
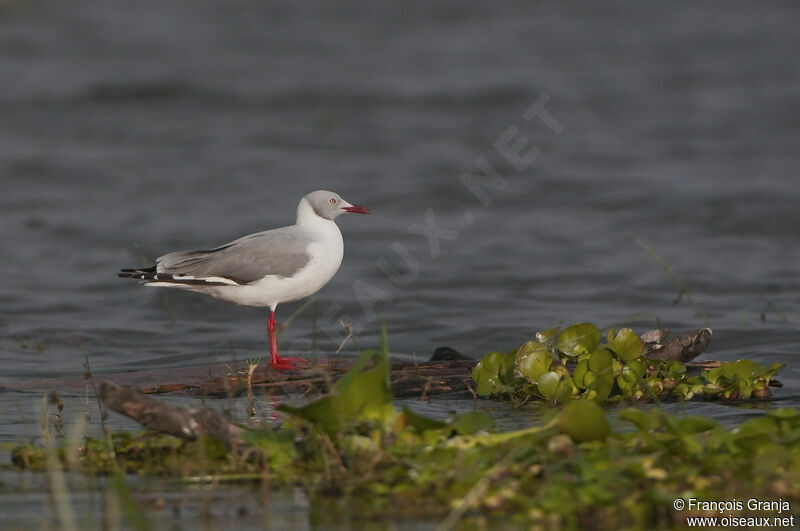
[189,424]
[446,372]
[682,348]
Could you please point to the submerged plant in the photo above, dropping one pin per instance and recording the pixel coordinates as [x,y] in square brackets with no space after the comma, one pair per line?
[577,362]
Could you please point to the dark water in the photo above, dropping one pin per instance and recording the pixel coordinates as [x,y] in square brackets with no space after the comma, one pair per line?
[131,129]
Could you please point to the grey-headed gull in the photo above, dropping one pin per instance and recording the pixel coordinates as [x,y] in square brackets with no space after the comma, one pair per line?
[266,268]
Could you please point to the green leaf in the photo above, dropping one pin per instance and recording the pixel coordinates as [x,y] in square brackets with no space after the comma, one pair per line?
[532,360]
[784,413]
[362,396]
[584,421]
[565,390]
[492,361]
[713,375]
[323,413]
[600,361]
[548,384]
[675,369]
[471,422]
[638,418]
[580,373]
[695,424]
[491,374]
[627,345]
[602,386]
[367,393]
[420,422]
[637,368]
[384,341]
[548,337]
[356,369]
[579,339]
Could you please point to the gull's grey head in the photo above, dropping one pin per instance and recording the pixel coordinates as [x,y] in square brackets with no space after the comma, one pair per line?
[330,205]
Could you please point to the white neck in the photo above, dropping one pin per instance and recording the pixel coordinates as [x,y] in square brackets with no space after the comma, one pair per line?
[306,217]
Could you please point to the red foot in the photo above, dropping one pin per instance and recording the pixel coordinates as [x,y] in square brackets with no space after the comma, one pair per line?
[288,364]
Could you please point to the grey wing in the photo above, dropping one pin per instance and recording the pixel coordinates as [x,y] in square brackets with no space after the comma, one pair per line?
[281,252]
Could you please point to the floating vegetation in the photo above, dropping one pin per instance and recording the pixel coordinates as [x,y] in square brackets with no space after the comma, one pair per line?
[578,363]
[572,470]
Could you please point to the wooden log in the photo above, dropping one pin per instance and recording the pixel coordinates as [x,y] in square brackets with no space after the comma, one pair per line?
[409,379]
[447,371]
[683,348]
[190,424]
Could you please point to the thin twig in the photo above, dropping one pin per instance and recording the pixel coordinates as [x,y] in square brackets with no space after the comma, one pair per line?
[252,365]
[288,321]
[679,286]
[348,326]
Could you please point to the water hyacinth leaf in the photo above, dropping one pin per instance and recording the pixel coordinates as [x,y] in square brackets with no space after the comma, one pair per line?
[579,339]
[631,376]
[322,413]
[493,373]
[367,394]
[580,373]
[602,386]
[421,423]
[356,369]
[486,384]
[713,375]
[637,367]
[492,361]
[774,369]
[506,370]
[548,337]
[565,391]
[764,424]
[532,360]
[626,387]
[485,373]
[616,370]
[471,422]
[675,369]
[784,412]
[561,371]
[279,445]
[627,380]
[548,384]
[742,369]
[626,344]
[695,424]
[364,396]
[600,361]
[643,421]
[757,432]
[583,421]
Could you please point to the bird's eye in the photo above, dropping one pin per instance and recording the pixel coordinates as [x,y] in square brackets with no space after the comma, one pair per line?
[332,200]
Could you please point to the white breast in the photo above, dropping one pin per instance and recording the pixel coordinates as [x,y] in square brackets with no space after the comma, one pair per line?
[326,248]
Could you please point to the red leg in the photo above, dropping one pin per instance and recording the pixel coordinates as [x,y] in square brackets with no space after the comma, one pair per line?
[276,361]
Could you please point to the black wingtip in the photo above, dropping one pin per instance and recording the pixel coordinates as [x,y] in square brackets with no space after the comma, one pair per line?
[141,274]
